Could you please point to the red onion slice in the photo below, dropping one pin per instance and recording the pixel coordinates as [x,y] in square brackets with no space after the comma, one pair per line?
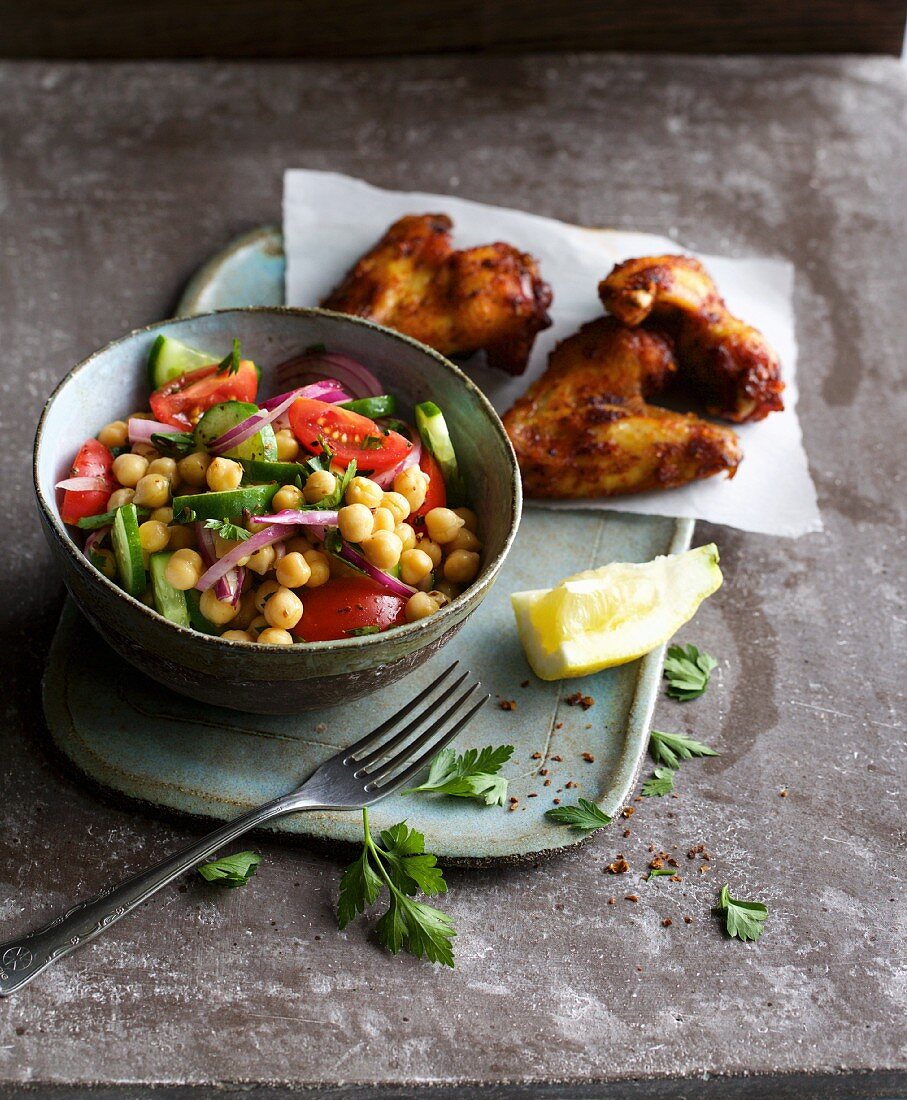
[329,390]
[311,366]
[141,431]
[93,539]
[230,560]
[391,583]
[83,484]
[229,587]
[386,480]
[294,516]
[270,411]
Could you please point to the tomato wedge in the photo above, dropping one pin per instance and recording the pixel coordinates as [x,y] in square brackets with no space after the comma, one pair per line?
[93,460]
[436,497]
[345,605]
[181,401]
[350,436]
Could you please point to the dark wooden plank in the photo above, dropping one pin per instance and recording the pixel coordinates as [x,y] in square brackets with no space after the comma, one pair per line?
[361,28]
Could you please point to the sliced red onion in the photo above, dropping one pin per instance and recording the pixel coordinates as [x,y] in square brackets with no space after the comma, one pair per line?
[93,539]
[83,484]
[229,587]
[271,411]
[229,561]
[295,516]
[329,390]
[386,480]
[391,583]
[141,431]
[311,366]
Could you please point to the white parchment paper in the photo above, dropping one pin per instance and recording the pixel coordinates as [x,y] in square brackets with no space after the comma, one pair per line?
[329,220]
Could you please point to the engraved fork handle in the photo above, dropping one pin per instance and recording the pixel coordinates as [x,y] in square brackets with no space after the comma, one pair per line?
[24,958]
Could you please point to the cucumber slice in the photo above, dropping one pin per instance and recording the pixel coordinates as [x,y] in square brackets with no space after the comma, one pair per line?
[221,418]
[196,619]
[372,407]
[229,503]
[170,358]
[433,429]
[169,601]
[284,473]
[127,549]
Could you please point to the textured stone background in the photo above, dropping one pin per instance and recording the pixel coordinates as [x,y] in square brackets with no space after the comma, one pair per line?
[116,181]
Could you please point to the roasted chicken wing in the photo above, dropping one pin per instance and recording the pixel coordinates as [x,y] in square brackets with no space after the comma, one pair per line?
[491,297]
[584,429]
[729,362]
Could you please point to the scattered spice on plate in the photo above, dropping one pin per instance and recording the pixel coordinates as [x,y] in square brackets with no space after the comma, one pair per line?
[619,866]
[631,897]
[532,794]
[543,771]
[612,901]
[628,832]
[588,757]
[667,922]
[524,684]
[507,704]
[577,699]
[556,801]
[536,756]
[629,811]
[687,920]
[557,726]
[698,850]
[547,783]
[570,784]
[782,793]
[558,758]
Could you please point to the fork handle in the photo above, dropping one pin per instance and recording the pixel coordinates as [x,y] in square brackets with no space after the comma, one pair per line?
[23,959]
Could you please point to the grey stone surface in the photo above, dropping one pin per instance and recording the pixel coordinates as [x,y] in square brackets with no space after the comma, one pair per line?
[115,182]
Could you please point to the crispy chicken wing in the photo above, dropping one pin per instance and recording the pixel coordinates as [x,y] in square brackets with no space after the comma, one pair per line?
[584,428]
[413,280]
[729,362]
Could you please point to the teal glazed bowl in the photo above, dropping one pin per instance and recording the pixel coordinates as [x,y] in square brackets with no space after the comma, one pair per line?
[273,679]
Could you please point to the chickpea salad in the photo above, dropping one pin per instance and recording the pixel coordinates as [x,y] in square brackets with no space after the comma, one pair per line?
[314,515]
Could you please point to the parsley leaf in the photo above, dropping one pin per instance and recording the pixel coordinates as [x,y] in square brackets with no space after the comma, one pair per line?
[173,444]
[361,631]
[744,919]
[671,748]
[399,862]
[472,775]
[688,672]
[232,871]
[335,499]
[662,782]
[232,532]
[230,363]
[656,872]
[585,816]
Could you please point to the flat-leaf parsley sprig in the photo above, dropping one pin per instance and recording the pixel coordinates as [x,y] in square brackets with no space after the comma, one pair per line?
[671,748]
[232,871]
[474,774]
[743,919]
[399,862]
[585,816]
[688,672]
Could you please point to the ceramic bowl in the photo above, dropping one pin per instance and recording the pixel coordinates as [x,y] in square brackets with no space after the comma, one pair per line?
[273,679]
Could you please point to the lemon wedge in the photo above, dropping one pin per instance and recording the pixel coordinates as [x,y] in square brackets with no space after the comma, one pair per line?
[612,615]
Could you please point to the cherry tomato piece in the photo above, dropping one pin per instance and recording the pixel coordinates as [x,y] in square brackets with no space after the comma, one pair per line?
[347,604]
[93,460]
[181,401]
[349,435]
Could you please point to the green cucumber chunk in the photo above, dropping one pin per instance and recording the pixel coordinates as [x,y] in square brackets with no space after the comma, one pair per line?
[226,504]
[170,358]
[432,427]
[196,619]
[127,549]
[169,601]
[92,523]
[372,407]
[256,472]
[221,418]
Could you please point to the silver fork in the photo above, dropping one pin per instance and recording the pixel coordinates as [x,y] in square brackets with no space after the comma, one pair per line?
[369,770]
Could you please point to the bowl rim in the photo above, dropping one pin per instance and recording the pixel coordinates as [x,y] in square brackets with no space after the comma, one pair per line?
[429,625]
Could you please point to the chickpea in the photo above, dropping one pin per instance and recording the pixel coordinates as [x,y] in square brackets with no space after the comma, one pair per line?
[440,598]
[262,560]
[442,524]
[293,570]
[166,467]
[419,606]
[383,549]
[469,518]
[162,515]
[257,625]
[182,537]
[356,522]
[154,536]
[140,416]
[114,434]
[104,561]
[146,450]
[246,611]
[406,534]
[223,474]
[384,519]
[319,485]
[192,468]
[433,550]
[465,540]
[152,491]
[299,545]
[283,609]
[119,498]
[461,566]
[223,546]
[446,589]
[184,569]
[412,484]
[398,506]
[129,469]
[287,447]
[287,496]
[264,593]
[274,636]
[219,612]
[362,490]
[237,636]
[320,568]
[414,566]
